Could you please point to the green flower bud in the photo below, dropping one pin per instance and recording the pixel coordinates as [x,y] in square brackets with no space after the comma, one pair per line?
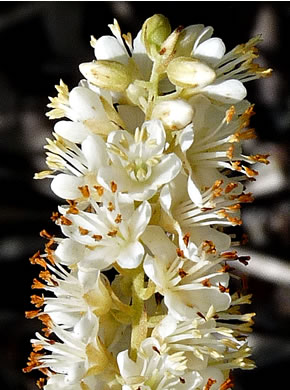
[189,72]
[154,32]
[106,74]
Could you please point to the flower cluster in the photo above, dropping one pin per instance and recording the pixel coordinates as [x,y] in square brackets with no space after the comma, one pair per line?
[148,160]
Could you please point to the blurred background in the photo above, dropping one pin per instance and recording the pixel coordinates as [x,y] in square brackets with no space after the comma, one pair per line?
[41,42]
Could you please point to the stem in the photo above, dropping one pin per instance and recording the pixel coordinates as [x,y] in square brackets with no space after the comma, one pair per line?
[139,319]
[153,92]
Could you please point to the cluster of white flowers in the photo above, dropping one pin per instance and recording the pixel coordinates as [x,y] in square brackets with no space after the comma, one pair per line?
[150,167]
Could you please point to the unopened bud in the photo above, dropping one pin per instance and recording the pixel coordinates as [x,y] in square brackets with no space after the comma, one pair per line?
[175,114]
[189,72]
[154,32]
[106,74]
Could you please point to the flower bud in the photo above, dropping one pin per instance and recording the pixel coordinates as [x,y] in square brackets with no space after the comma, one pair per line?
[189,72]
[175,114]
[154,32]
[106,74]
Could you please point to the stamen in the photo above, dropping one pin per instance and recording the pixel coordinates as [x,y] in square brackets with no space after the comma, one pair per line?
[83,231]
[65,221]
[100,190]
[85,191]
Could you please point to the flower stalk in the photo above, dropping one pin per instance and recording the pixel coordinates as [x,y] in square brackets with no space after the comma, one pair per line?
[147,159]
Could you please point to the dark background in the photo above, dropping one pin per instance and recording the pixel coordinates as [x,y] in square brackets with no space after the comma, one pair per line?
[41,42]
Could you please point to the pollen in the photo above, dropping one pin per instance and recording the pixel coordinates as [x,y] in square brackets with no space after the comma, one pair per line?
[261,158]
[100,190]
[32,314]
[250,172]
[230,152]
[223,289]
[230,114]
[37,284]
[206,283]
[118,219]
[85,191]
[156,349]
[230,187]
[209,247]
[180,252]
[112,233]
[186,239]
[83,231]
[232,255]
[37,259]
[65,221]
[44,234]
[111,206]
[40,383]
[45,275]
[227,384]
[55,216]
[244,259]
[97,237]
[73,207]
[113,186]
[182,273]
[37,301]
[209,383]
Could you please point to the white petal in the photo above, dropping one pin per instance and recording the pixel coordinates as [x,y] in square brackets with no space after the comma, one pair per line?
[165,198]
[108,48]
[194,191]
[66,186]
[86,104]
[69,251]
[73,131]
[117,137]
[221,240]
[140,219]
[210,51]
[205,34]
[159,244]
[192,379]
[87,327]
[94,149]
[186,138]
[228,91]
[212,373]
[166,170]
[157,133]
[128,368]
[154,269]
[131,256]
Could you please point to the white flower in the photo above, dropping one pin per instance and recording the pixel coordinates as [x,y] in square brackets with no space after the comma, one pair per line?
[78,166]
[110,233]
[216,146]
[155,369]
[75,294]
[189,286]
[179,214]
[202,340]
[139,164]
[202,66]
[121,48]
[79,353]
[88,110]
